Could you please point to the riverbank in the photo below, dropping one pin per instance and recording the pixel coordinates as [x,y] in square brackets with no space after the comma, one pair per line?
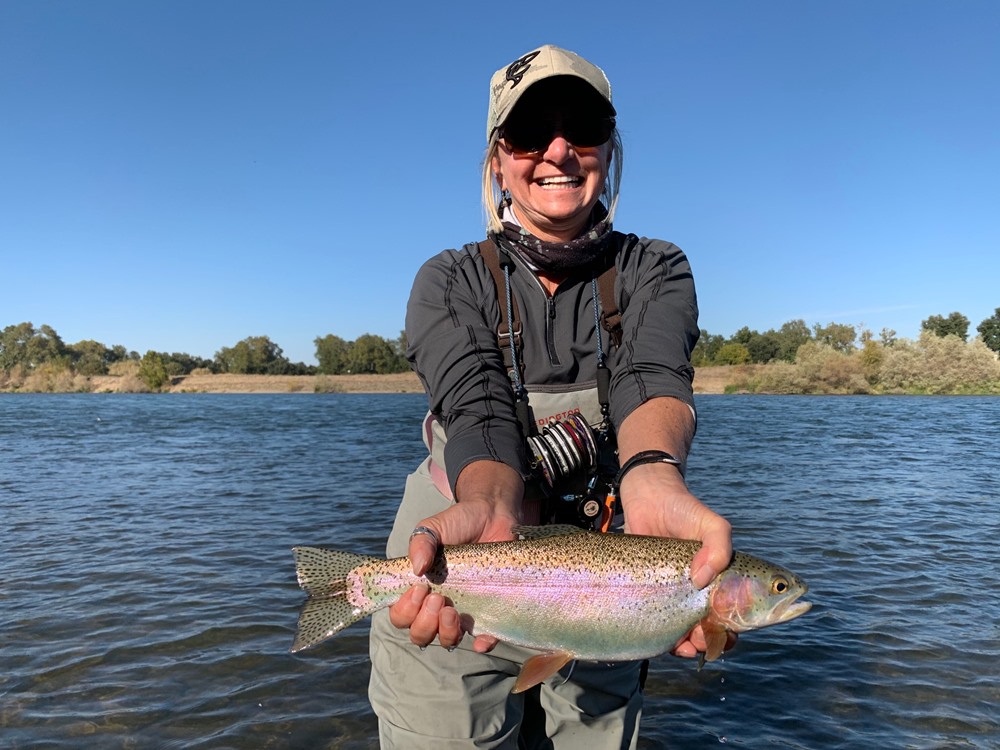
[707,380]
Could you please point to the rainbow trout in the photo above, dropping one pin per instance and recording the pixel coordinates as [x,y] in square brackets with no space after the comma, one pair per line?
[568,593]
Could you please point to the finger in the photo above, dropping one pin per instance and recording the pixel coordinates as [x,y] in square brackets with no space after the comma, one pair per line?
[403,612]
[484,643]
[449,627]
[424,628]
[685,650]
[697,639]
[695,644]
[713,557]
[424,542]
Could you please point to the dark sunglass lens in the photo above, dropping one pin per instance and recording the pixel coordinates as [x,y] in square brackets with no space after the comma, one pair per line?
[534,136]
[528,137]
[588,132]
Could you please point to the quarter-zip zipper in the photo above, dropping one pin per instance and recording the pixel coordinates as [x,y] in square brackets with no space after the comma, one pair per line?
[550,312]
[550,326]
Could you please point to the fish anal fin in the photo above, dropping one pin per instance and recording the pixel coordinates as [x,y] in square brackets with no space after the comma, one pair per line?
[539,668]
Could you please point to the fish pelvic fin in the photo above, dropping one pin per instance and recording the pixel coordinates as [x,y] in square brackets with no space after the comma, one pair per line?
[322,573]
[539,668]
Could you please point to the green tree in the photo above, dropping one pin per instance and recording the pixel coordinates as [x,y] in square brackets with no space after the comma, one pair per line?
[743,336]
[871,358]
[29,347]
[255,355]
[764,347]
[152,371]
[90,357]
[955,324]
[706,349]
[331,353]
[791,336]
[989,331]
[732,354]
[374,354]
[400,344]
[838,336]
[181,363]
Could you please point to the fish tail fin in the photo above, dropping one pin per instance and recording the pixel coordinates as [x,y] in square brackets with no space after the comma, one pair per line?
[322,573]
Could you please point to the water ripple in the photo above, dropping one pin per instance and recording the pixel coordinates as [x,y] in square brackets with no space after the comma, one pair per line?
[150,599]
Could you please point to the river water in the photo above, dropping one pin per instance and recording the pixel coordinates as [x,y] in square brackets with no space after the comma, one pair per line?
[148,597]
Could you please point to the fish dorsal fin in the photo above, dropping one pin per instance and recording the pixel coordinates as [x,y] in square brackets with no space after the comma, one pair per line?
[539,668]
[543,532]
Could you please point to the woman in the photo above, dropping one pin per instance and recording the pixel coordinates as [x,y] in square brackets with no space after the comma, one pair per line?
[553,154]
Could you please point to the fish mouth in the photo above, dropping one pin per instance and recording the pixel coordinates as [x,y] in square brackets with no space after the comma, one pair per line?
[791,608]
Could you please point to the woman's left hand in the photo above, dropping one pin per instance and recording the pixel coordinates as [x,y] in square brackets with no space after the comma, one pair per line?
[658,503]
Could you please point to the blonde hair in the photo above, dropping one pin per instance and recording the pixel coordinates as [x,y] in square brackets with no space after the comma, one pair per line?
[491,191]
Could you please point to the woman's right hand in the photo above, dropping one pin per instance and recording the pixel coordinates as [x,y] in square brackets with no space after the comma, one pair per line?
[490,498]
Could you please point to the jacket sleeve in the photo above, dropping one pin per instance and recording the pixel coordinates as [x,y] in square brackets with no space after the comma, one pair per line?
[454,350]
[659,328]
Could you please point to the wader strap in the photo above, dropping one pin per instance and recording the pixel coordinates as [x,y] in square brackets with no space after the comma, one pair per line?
[611,317]
[493,257]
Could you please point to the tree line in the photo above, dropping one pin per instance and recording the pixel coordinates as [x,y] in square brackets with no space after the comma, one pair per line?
[40,353]
[839,358]
[27,351]
[782,345]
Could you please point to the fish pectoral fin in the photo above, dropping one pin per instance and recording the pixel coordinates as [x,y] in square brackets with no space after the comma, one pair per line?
[716,637]
[539,668]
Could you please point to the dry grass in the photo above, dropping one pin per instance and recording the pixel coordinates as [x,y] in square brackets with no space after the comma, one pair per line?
[405,382]
[707,380]
[714,379]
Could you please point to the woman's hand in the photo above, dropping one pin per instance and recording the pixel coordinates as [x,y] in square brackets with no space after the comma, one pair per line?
[490,496]
[657,502]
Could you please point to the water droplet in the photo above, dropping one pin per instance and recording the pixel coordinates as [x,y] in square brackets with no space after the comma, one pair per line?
[723,698]
[423,648]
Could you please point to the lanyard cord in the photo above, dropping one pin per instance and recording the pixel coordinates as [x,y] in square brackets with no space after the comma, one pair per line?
[603,373]
[515,373]
[597,323]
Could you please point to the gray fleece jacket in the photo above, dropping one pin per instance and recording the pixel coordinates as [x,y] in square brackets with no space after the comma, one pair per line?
[451,328]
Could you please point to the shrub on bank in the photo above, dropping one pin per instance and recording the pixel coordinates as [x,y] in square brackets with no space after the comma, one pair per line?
[939,365]
[930,365]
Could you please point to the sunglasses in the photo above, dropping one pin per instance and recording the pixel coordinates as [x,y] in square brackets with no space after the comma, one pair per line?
[531,136]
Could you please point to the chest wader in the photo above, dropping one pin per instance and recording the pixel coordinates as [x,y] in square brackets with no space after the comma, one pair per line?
[573,455]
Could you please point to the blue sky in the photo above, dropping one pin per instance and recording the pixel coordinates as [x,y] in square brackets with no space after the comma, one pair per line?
[180,175]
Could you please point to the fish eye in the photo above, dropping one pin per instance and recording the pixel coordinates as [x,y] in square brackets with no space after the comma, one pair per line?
[779,585]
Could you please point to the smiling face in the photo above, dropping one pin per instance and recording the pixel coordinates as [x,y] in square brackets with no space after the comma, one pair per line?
[555,185]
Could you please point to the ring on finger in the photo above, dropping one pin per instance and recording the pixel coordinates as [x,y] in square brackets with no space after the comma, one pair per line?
[429,532]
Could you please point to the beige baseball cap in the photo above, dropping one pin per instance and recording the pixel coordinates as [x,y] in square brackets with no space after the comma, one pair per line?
[510,82]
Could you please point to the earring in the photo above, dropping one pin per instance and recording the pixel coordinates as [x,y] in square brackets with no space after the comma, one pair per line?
[504,198]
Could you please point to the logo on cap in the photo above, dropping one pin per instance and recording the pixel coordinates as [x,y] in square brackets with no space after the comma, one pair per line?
[517,69]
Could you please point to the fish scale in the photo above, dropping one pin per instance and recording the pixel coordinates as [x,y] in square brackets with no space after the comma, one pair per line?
[568,593]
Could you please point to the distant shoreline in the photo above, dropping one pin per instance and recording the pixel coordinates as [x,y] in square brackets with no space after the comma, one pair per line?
[707,380]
